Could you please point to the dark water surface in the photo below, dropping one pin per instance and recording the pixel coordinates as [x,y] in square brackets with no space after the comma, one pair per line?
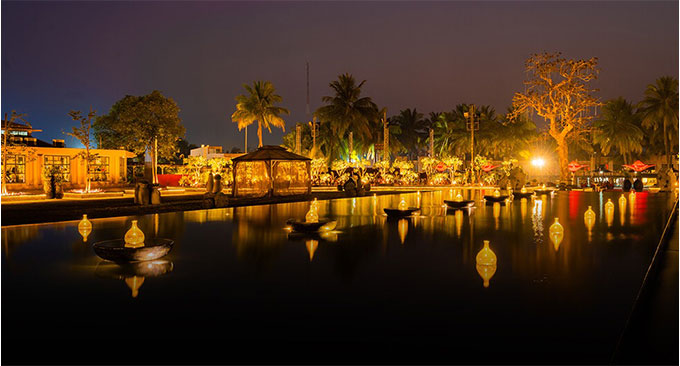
[238,288]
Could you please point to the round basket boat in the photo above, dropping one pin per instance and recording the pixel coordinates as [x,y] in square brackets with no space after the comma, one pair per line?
[115,250]
[496,199]
[393,212]
[459,204]
[143,269]
[312,227]
[520,195]
[543,191]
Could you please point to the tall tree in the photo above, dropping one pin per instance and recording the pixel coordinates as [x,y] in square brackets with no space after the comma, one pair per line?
[346,111]
[259,105]
[414,131]
[148,123]
[558,91]
[618,129]
[82,133]
[659,110]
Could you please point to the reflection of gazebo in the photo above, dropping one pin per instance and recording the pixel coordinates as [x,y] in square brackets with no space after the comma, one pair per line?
[271,171]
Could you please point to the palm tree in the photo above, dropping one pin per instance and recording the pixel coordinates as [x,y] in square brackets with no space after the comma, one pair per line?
[259,106]
[451,137]
[659,109]
[413,128]
[618,129]
[348,111]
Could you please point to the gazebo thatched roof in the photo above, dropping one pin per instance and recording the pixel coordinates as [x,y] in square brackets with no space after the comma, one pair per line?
[270,152]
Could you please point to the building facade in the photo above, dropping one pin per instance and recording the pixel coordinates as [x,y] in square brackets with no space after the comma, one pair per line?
[27,157]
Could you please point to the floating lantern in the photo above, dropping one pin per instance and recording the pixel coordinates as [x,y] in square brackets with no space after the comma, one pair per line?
[84,228]
[486,256]
[311,247]
[403,230]
[134,283]
[402,205]
[589,215]
[622,201]
[312,216]
[486,272]
[496,193]
[609,212]
[609,205]
[459,197]
[556,233]
[134,238]
[523,190]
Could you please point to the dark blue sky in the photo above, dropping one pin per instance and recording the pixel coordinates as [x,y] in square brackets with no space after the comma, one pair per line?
[59,56]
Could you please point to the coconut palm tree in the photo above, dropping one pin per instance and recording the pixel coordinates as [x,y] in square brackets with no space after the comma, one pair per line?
[659,110]
[414,130]
[259,105]
[348,111]
[618,129]
[451,137]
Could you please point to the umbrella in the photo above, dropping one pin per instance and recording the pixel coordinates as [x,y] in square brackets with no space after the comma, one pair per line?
[489,167]
[638,166]
[574,166]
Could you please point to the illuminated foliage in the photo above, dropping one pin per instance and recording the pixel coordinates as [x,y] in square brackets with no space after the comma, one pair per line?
[259,105]
[659,111]
[558,91]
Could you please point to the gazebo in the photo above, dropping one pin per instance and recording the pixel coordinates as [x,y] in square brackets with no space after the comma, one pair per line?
[271,171]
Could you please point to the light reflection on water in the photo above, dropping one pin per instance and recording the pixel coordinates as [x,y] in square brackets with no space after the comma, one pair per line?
[427,261]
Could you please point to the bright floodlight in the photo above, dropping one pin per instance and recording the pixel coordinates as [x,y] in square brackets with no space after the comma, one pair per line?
[538,162]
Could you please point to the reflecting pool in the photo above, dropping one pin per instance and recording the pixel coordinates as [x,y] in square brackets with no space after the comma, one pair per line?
[239,287]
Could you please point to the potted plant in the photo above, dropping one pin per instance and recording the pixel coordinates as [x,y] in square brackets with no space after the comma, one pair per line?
[52,178]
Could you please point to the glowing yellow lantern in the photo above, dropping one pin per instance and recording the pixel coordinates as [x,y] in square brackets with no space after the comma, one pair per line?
[556,233]
[622,201]
[589,215]
[134,283]
[486,272]
[496,193]
[403,229]
[459,197]
[311,248]
[486,256]
[523,190]
[84,227]
[312,215]
[134,238]
[609,212]
[402,205]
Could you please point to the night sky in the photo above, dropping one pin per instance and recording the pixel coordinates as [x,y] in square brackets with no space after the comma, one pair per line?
[60,56]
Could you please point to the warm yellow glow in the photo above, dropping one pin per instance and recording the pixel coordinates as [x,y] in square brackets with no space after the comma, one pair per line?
[402,227]
[486,256]
[312,216]
[609,212]
[589,215]
[496,193]
[543,187]
[459,197]
[486,272]
[84,228]
[556,233]
[134,238]
[311,248]
[523,207]
[418,199]
[622,202]
[402,205]
[523,190]
[459,222]
[496,210]
[538,162]
[134,283]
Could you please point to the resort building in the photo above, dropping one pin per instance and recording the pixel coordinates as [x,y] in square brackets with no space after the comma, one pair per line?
[28,156]
[209,152]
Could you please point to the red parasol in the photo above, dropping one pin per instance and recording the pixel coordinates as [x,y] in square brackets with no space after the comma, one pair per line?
[638,166]
[441,167]
[574,166]
[489,167]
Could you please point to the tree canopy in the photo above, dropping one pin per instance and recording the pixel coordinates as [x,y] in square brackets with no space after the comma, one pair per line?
[259,105]
[135,121]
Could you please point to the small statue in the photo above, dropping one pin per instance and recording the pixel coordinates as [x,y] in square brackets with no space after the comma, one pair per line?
[217,187]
